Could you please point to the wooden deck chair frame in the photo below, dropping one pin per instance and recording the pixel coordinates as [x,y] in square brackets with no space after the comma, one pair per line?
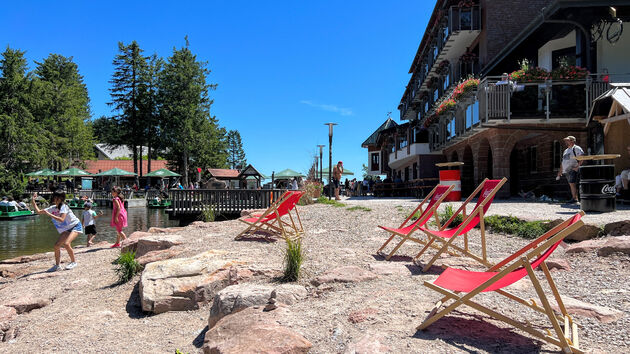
[425,215]
[271,219]
[562,323]
[447,245]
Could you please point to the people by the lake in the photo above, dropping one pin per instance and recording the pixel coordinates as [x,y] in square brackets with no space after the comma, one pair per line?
[570,166]
[12,203]
[22,206]
[336,178]
[88,218]
[294,184]
[66,223]
[4,201]
[119,215]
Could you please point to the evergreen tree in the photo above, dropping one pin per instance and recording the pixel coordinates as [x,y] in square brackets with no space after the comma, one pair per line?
[127,82]
[149,106]
[63,111]
[22,144]
[236,154]
[192,136]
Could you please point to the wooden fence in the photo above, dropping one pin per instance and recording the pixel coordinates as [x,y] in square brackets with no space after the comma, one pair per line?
[224,201]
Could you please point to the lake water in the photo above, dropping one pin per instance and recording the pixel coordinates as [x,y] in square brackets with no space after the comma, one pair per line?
[37,234]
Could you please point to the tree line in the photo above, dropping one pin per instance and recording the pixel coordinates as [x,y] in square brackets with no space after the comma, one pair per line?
[161,104]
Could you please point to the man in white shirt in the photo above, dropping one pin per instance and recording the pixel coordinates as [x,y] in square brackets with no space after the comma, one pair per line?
[570,165]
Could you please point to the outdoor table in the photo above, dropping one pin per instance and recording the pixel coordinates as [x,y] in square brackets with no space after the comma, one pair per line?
[450,177]
[597,183]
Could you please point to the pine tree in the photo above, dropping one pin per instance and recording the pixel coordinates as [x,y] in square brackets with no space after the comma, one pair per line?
[192,136]
[149,103]
[127,82]
[236,154]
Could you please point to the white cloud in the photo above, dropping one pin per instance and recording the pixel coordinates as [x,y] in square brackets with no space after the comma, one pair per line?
[329,107]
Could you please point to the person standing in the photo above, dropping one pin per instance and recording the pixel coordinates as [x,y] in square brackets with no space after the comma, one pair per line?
[570,165]
[337,172]
[119,215]
[66,223]
[88,221]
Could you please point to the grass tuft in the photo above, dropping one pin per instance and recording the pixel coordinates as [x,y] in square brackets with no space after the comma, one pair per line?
[335,203]
[127,266]
[447,214]
[515,226]
[207,214]
[293,259]
[359,207]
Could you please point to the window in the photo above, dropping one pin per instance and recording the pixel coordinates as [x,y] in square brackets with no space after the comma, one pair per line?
[436,95]
[447,81]
[472,114]
[426,106]
[435,52]
[557,154]
[533,159]
[415,170]
[402,142]
[406,174]
[445,33]
[375,161]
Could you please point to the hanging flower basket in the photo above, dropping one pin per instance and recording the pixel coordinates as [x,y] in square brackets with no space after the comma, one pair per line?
[446,106]
[465,89]
[569,73]
[530,75]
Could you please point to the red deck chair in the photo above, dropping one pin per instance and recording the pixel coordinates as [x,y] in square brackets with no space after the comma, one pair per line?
[434,198]
[452,282]
[486,191]
[271,220]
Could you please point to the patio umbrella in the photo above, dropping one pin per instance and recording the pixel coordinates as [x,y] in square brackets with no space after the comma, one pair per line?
[73,172]
[46,172]
[346,172]
[115,172]
[287,174]
[162,172]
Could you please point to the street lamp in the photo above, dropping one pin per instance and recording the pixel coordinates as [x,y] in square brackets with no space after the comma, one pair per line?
[321,164]
[330,134]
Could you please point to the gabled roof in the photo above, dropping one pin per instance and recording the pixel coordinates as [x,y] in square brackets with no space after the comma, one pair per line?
[96,166]
[249,171]
[371,140]
[602,105]
[223,173]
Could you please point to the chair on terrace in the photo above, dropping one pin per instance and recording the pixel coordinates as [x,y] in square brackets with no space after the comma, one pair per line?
[271,220]
[521,264]
[407,228]
[486,192]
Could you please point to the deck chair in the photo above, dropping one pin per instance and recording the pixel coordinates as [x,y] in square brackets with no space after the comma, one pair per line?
[486,192]
[433,200]
[271,220]
[521,264]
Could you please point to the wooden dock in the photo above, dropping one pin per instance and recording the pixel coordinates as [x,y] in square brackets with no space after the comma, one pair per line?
[186,203]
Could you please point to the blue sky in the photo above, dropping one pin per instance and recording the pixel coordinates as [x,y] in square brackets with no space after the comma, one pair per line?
[283,68]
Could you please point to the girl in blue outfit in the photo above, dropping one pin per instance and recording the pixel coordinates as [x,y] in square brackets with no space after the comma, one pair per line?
[66,223]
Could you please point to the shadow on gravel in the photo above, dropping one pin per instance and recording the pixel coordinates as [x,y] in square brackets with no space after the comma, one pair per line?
[477,334]
[380,257]
[416,269]
[134,307]
[198,342]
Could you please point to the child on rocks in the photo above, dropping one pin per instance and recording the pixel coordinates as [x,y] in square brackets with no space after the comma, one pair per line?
[66,223]
[88,217]
[119,215]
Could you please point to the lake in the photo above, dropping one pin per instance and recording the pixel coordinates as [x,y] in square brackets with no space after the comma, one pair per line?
[37,234]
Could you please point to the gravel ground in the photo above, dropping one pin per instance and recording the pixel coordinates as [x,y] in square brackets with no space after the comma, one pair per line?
[91,314]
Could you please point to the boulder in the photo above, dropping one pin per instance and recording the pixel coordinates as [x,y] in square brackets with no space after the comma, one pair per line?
[130,244]
[27,303]
[390,268]
[253,330]
[249,212]
[159,255]
[618,228]
[25,259]
[586,246]
[201,225]
[156,243]
[13,270]
[558,263]
[620,244]
[577,307]
[368,344]
[7,314]
[585,232]
[346,274]
[235,298]
[164,230]
[183,283]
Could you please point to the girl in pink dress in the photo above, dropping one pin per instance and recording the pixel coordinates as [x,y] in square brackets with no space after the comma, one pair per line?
[119,215]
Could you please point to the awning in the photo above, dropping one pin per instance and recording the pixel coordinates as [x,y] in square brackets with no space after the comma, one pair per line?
[613,105]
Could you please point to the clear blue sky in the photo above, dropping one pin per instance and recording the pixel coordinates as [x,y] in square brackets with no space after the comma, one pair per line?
[283,68]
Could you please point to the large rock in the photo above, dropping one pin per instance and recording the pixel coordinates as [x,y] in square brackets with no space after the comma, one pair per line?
[159,255]
[254,331]
[585,232]
[250,212]
[586,246]
[156,243]
[183,283]
[618,228]
[558,263]
[368,344]
[27,303]
[25,259]
[346,274]
[577,307]
[235,298]
[620,244]
[130,243]
[164,230]
[7,332]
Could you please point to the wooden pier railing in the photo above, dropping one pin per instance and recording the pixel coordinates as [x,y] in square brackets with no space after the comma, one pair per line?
[224,201]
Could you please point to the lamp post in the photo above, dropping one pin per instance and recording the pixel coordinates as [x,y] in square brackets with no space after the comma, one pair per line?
[321,163]
[330,135]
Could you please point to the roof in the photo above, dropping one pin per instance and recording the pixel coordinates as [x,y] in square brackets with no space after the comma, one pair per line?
[96,166]
[620,93]
[223,173]
[371,140]
[250,171]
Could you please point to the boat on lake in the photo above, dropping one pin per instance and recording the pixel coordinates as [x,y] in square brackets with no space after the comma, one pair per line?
[9,212]
[158,204]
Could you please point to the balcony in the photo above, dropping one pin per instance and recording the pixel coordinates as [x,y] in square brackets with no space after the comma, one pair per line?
[400,157]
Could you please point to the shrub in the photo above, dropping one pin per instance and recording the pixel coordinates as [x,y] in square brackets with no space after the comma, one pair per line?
[293,259]
[313,190]
[207,214]
[127,266]
[359,207]
[515,226]
[447,214]
[324,200]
